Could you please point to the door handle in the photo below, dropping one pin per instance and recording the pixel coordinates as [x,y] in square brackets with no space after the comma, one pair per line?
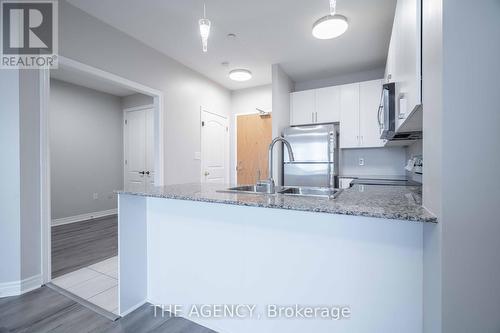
[142,172]
[147,173]
[206,173]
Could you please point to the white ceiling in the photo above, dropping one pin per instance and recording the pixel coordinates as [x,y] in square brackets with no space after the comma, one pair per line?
[268,32]
[89,81]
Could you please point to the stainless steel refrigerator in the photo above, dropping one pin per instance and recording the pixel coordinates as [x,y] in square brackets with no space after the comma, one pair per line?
[315,150]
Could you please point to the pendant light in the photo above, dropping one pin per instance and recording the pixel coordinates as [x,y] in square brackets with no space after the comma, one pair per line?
[204,29]
[330,26]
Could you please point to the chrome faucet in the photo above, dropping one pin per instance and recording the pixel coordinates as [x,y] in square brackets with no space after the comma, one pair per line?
[269,184]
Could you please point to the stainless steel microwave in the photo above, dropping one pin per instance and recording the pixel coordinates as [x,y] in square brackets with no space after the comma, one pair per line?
[387,115]
[387,111]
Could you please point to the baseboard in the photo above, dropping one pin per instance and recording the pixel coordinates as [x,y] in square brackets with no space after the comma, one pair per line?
[84,217]
[16,288]
[132,308]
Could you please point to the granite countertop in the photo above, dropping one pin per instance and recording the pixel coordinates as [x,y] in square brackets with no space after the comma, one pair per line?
[389,202]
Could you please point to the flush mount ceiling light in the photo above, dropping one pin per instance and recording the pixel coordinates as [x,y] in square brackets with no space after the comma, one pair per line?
[240,75]
[204,29]
[330,26]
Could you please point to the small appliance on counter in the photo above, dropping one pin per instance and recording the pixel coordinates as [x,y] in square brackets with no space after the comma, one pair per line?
[415,164]
[315,148]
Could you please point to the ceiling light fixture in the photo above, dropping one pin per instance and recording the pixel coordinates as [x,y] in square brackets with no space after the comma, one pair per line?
[330,26]
[204,29]
[240,75]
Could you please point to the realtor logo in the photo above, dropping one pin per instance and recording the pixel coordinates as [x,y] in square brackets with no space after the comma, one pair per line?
[29,34]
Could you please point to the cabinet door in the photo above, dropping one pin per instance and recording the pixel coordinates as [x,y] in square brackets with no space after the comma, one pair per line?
[302,107]
[328,105]
[369,101]
[349,116]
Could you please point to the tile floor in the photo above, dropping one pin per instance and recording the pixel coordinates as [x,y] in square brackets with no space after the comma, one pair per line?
[97,283]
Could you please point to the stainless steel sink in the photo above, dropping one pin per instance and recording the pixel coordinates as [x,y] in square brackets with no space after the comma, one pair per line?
[255,189]
[325,192]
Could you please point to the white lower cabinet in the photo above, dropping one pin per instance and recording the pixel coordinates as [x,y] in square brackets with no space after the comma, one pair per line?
[359,105]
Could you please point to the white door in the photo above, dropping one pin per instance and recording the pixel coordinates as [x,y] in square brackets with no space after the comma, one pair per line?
[349,116]
[302,107]
[328,105]
[139,151]
[214,148]
[369,101]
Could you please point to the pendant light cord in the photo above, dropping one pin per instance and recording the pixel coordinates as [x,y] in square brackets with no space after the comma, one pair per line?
[333,7]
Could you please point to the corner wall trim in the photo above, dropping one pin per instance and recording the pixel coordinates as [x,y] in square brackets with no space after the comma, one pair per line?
[15,288]
[84,217]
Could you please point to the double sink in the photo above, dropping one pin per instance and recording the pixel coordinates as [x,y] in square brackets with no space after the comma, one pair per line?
[324,192]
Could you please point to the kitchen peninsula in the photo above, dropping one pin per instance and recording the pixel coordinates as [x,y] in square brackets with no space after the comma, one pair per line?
[191,244]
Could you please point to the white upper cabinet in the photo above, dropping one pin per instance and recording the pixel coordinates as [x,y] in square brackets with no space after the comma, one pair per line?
[328,104]
[359,104]
[404,58]
[369,101]
[349,116]
[302,107]
[315,106]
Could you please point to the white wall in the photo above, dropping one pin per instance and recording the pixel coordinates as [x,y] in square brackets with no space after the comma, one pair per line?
[10,178]
[461,140]
[470,222]
[245,101]
[93,42]
[282,86]
[135,100]
[378,162]
[86,142]
[374,74]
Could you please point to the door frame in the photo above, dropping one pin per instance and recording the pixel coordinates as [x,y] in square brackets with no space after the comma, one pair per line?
[125,146]
[226,153]
[45,200]
[235,140]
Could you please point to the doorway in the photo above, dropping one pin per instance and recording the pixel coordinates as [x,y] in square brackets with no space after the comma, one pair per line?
[79,252]
[253,135]
[138,137]
[214,148]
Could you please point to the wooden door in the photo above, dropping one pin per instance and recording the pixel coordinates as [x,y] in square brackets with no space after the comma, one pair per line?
[214,152]
[254,134]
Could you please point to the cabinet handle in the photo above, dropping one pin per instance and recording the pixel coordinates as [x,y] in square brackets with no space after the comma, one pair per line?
[312,117]
[315,117]
[361,140]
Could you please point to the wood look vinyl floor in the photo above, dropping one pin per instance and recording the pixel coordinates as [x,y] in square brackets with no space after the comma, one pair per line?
[45,310]
[80,244]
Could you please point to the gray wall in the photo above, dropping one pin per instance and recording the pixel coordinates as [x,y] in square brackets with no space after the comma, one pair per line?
[86,138]
[374,74]
[245,101]
[378,162]
[93,42]
[135,100]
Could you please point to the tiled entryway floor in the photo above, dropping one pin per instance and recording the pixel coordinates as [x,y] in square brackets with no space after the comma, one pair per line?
[97,283]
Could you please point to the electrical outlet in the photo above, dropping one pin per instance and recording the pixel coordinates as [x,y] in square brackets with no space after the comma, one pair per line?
[95,196]
[361,161]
